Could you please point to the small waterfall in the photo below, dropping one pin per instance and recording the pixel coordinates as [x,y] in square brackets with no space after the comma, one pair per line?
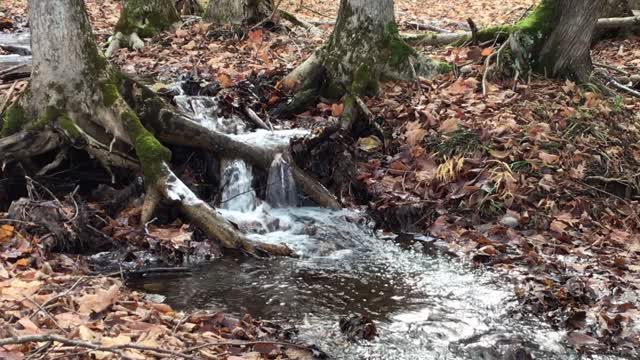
[281,187]
[237,192]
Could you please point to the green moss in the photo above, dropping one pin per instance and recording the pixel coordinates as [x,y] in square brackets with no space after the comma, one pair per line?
[541,20]
[51,114]
[146,19]
[365,83]
[150,152]
[443,67]
[399,50]
[110,92]
[348,112]
[69,126]
[14,120]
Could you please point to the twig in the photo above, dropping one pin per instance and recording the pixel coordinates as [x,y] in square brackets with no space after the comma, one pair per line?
[487,66]
[256,119]
[619,86]
[8,97]
[606,66]
[13,68]
[19,222]
[158,270]
[55,298]
[244,343]
[70,342]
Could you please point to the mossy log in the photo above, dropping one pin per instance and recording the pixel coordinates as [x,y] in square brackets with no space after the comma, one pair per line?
[75,99]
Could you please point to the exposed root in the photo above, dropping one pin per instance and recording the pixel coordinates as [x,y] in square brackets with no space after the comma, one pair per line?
[27,144]
[120,40]
[296,79]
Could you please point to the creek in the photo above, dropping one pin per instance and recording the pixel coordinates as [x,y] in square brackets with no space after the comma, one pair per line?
[426,304]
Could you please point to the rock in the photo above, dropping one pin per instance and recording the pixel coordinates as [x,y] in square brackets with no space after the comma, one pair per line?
[358,327]
[509,221]
[466,69]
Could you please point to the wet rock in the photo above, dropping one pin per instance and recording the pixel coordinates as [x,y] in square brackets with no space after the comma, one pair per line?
[358,327]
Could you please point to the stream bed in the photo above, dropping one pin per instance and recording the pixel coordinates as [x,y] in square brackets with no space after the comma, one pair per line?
[426,304]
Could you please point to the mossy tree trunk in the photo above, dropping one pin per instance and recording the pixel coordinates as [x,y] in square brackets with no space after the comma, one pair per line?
[555,39]
[238,12]
[76,99]
[141,19]
[364,48]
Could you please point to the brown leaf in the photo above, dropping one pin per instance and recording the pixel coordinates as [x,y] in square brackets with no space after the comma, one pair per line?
[337,109]
[414,133]
[449,125]
[548,158]
[6,232]
[98,302]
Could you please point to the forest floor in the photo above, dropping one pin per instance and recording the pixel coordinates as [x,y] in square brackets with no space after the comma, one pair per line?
[536,179]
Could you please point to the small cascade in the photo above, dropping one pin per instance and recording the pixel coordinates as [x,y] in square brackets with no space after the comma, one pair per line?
[205,111]
[281,187]
[237,190]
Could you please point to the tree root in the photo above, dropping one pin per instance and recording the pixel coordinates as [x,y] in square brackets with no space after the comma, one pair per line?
[120,40]
[28,143]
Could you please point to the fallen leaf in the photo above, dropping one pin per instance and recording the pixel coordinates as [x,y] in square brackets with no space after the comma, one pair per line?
[98,302]
[369,143]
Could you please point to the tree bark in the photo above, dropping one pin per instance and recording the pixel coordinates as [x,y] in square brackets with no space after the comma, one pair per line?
[238,12]
[147,17]
[566,49]
[75,98]
[364,48]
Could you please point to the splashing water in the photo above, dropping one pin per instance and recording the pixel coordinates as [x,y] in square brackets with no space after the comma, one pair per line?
[237,189]
[281,187]
[425,306]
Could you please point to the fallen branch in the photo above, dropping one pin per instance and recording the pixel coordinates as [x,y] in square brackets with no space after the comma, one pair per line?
[17,340]
[177,129]
[618,22]
[441,39]
[428,27]
[256,119]
[144,272]
[625,88]
[295,21]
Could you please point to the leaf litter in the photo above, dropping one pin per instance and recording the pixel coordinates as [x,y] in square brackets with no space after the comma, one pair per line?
[537,180]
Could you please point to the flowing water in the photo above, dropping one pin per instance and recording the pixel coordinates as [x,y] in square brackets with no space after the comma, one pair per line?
[426,305]
[281,187]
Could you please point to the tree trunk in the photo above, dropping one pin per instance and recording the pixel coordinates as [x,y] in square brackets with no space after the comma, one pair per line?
[238,12]
[141,19]
[147,17]
[75,98]
[364,48]
[555,39]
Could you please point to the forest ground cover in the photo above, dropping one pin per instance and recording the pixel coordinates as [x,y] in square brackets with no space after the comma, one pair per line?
[538,179]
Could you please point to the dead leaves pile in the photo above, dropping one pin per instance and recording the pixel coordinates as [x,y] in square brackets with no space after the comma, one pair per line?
[42,295]
[538,180]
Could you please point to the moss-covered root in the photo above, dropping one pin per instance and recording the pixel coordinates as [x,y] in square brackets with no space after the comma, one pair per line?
[163,184]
